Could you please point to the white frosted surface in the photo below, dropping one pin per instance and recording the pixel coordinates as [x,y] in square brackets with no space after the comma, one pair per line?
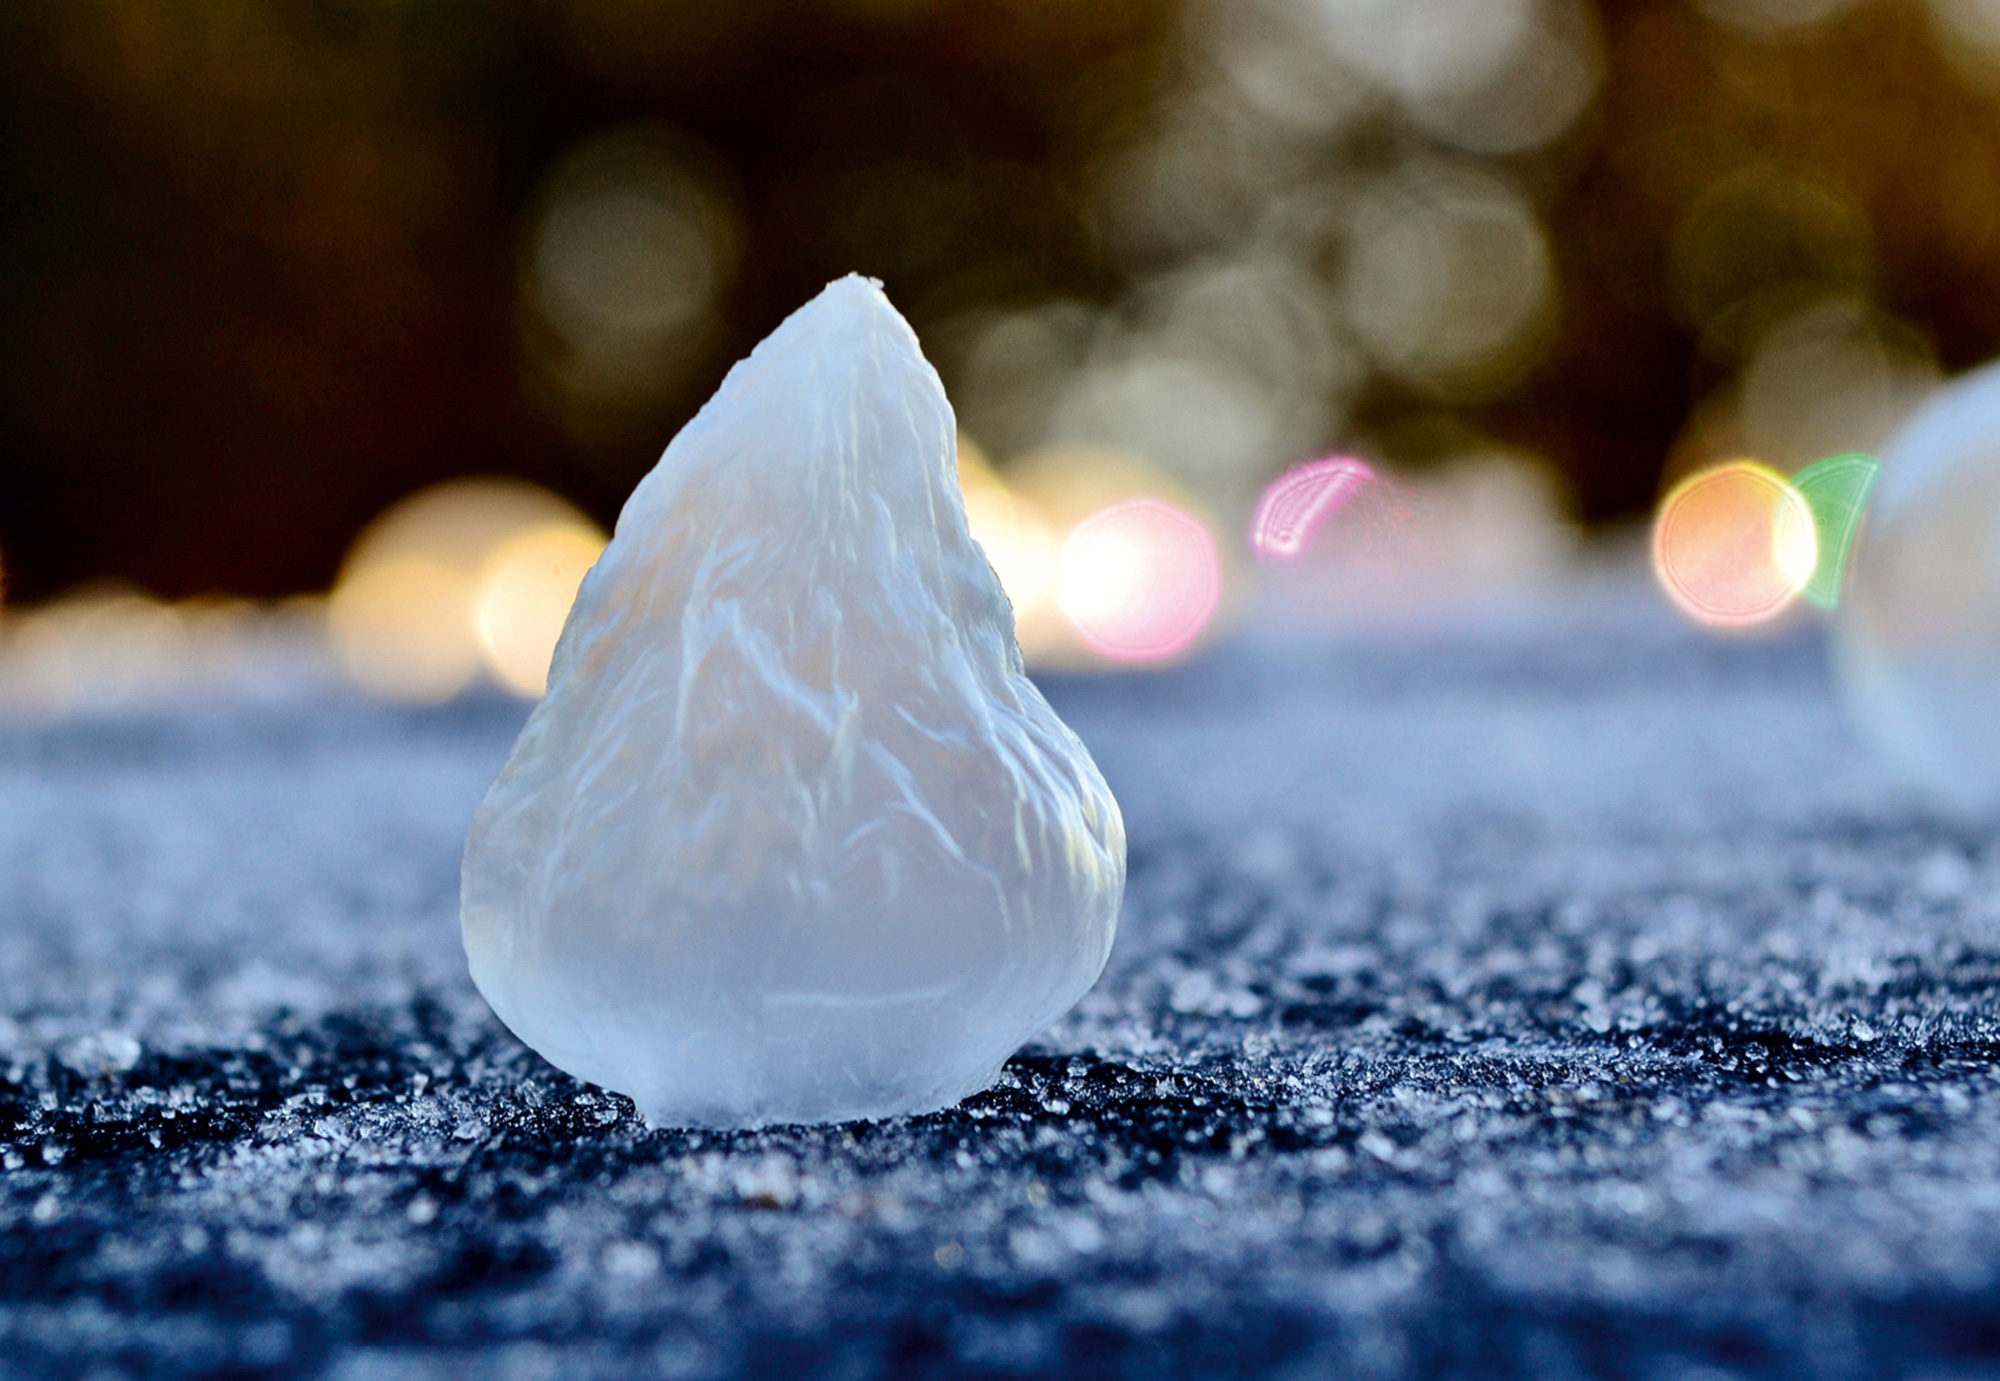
[792,838]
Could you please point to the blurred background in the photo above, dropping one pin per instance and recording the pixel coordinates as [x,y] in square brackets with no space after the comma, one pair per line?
[270,268]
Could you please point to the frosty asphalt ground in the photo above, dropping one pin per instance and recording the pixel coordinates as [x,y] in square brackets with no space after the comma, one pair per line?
[1564,997]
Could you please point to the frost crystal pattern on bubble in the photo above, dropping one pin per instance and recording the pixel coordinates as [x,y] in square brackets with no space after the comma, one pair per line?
[792,838]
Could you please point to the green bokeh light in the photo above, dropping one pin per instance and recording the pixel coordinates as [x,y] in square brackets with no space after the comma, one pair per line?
[1835,489]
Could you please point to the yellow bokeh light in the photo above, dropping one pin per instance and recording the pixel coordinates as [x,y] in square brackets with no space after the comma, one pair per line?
[401,629]
[109,647]
[1734,545]
[460,576]
[1020,543]
[525,591]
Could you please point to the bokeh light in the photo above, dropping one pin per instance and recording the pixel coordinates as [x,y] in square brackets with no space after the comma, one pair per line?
[634,240]
[97,649]
[1449,283]
[1300,502]
[1014,366]
[525,591]
[110,648]
[1831,377]
[1836,490]
[1968,31]
[1773,16]
[1139,581]
[1223,235]
[1196,182]
[1414,47]
[465,575]
[1547,79]
[1214,373]
[1064,485]
[1275,57]
[402,627]
[1734,545]
[1483,529]
[1757,244]
[1207,425]
[1019,542]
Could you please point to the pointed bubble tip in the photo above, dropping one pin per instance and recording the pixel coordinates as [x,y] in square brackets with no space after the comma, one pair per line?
[854,294]
[845,311]
[859,286]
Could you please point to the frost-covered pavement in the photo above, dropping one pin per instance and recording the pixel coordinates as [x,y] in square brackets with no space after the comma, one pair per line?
[1569,997]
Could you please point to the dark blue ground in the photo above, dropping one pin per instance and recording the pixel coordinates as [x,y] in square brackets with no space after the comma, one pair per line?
[1565,999]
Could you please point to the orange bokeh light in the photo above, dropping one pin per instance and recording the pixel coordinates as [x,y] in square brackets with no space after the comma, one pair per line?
[1734,545]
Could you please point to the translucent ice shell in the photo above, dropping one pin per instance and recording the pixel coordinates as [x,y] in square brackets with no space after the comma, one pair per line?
[791,838]
[1918,638]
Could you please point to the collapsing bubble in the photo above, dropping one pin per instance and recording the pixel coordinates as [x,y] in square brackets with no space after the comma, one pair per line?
[1301,502]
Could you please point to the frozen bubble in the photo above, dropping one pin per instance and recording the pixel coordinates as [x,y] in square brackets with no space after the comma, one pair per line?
[1918,645]
[791,838]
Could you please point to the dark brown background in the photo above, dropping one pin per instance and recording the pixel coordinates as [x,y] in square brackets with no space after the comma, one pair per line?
[258,258]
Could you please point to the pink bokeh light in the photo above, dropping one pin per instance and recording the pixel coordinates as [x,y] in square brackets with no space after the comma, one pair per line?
[1139,581]
[1300,502]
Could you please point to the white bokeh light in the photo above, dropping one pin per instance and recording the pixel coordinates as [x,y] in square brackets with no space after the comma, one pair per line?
[633,240]
[1449,278]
